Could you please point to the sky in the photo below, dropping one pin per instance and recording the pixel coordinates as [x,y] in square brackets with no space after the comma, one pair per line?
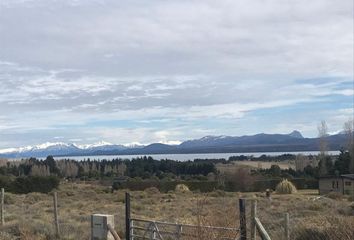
[166,71]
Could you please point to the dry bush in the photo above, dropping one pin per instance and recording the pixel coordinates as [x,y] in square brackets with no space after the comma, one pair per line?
[285,187]
[217,193]
[335,195]
[240,178]
[181,188]
[32,198]
[152,191]
[325,228]
[208,215]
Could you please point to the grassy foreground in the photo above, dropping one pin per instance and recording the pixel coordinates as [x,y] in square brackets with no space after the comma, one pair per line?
[30,216]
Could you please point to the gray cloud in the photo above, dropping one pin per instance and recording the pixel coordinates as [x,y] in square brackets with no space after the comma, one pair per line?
[81,61]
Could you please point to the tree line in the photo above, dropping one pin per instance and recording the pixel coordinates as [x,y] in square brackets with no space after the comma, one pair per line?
[143,167]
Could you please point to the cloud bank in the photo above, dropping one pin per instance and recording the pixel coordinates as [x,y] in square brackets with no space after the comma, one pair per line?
[161,71]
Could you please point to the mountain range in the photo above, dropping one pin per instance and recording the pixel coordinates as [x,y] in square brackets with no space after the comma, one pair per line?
[209,144]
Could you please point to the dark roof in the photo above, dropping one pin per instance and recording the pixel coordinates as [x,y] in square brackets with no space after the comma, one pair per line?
[329,176]
[349,176]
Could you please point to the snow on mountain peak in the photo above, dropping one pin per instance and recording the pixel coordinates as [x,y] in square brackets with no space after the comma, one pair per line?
[98,144]
[213,137]
[133,145]
[33,148]
[49,144]
[58,145]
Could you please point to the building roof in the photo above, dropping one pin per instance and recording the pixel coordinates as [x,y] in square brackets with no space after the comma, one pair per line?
[329,176]
[348,176]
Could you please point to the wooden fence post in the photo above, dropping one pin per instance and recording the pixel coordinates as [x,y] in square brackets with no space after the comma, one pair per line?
[56,219]
[286,226]
[127,216]
[2,207]
[243,224]
[253,221]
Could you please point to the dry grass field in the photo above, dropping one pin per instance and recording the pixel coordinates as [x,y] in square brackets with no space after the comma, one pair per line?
[30,216]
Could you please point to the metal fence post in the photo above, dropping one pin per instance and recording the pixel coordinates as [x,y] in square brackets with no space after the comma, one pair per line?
[243,225]
[127,216]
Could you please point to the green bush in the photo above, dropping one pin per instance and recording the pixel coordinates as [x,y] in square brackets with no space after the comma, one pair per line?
[23,185]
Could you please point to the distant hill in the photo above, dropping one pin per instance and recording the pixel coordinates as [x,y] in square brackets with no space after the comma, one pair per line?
[209,144]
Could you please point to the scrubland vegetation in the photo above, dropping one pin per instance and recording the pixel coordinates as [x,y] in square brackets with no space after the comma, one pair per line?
[30,216]
[208,196]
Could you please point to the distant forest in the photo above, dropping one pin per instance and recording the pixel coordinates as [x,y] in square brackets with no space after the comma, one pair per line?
[143,167]
[43,175]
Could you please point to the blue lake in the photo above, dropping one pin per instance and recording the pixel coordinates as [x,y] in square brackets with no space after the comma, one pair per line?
[186,157]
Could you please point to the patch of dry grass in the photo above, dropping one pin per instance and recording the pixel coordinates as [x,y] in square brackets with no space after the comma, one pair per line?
[233,166]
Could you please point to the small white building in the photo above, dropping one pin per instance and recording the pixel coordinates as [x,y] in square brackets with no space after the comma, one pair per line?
[343,184]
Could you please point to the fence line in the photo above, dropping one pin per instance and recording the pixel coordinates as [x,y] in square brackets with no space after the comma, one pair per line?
[157,229]
[146,229]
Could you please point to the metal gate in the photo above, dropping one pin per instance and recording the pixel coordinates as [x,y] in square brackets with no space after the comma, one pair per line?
[137,229]
[155,230]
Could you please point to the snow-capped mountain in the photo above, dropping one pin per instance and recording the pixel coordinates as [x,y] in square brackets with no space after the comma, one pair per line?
[134,145]
[47,145]
[95,145]
[60,148]
[296,134]
[45,149]
[210,144]
[209,141]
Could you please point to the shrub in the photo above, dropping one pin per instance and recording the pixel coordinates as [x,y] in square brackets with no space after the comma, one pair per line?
[182,188]
[162,186]
[285,187]
[310,234]
[9,199]
[152,190]
[217,193]
[327,228]
[40,184]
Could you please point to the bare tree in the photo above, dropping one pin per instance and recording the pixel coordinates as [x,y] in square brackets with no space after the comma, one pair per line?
[349,131]
[322,134]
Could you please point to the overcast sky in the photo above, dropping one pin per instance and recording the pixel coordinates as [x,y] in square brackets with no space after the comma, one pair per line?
[163,71]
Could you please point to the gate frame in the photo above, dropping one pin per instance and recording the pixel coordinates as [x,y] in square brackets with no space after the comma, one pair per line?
[129,221]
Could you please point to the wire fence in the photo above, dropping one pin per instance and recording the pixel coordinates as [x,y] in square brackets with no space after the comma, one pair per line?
[272,221]
[155,230]
[33,215]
